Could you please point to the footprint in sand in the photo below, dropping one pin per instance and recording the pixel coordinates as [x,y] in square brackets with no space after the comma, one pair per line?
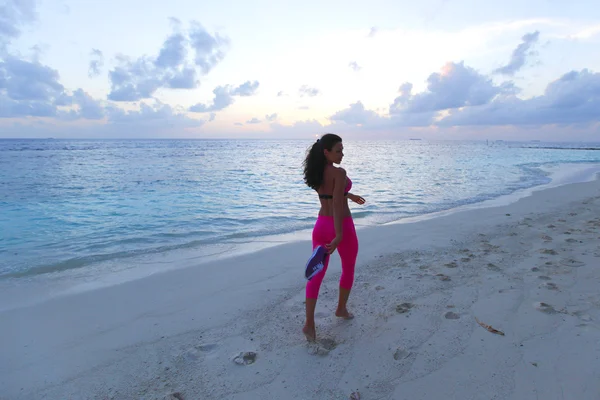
[546,238]
[444,278]
[548,251]
[544,278]
[548,263]
[322,347]
[451,265]
[550,286]
[245,358]
[562,220]
[404,307]
[465,259]
[451,315]
[571,240]
[401,354]
[424,267]
[572,214]
[494,267]
[551,226]
[545,308]
[535,269]
[513,234]
[207,347]
[567,233]
[328,343]
[572,263]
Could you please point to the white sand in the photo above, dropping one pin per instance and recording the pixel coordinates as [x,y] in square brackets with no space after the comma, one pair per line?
[179,331]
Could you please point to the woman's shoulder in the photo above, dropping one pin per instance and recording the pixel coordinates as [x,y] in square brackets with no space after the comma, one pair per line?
[336,171]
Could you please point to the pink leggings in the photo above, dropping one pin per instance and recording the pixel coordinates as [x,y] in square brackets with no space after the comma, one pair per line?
[323,233]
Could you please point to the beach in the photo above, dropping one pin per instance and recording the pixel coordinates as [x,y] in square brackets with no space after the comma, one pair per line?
[487,303]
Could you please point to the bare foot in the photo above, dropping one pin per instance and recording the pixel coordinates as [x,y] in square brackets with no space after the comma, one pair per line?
[344,314]
[310,333]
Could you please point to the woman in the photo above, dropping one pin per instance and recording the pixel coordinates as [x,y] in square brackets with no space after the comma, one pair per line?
[334,227]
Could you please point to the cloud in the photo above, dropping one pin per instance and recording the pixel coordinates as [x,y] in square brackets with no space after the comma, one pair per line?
[14,14]
[96,63]
[246,89]
[356,115]
[29,89]
[224,97]
[87,107]
[372,32]
[456,86]
[519,55]
[254,121]
[271,117]
[281,93]
[238,124]
[212,117]
[587,33]
[209,49]
[462,97]
[574,98]
[355,67]
[308,91]
[136,79]
[303,108]
[147,114]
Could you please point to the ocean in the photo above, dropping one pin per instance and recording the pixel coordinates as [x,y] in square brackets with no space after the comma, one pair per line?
[79,206]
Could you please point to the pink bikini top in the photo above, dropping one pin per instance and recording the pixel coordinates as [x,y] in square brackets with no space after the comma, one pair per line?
[346,190]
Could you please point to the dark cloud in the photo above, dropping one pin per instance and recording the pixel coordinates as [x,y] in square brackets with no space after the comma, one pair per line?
[519,55]
[308,91]
[14,14]
[271,117]
[136,79]
[224,97]
[457,86]
[354,65]
[96,63]
[254,121]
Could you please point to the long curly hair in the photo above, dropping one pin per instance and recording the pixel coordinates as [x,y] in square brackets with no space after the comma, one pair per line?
[315,161]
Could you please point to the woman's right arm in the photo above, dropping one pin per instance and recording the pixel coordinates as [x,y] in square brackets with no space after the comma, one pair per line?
[339,202]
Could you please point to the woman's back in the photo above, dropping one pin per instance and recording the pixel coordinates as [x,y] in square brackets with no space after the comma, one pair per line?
[327,191]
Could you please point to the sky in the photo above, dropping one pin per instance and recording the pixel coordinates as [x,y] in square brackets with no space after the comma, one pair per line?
[435,69]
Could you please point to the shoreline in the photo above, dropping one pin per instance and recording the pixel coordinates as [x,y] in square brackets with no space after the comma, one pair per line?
[71,281]
[418,287]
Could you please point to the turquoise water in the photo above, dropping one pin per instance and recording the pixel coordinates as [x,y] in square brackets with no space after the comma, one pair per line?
[70,204]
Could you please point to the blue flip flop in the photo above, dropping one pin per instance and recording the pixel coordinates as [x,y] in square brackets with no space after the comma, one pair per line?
[316,262]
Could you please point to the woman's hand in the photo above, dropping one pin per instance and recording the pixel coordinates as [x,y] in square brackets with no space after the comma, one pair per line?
[333,245]
[356,199]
